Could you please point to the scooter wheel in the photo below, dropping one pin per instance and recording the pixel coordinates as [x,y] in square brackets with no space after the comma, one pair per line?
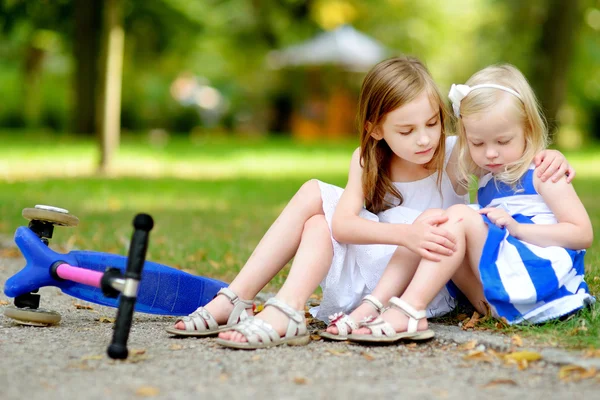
[53,215]
[32,316]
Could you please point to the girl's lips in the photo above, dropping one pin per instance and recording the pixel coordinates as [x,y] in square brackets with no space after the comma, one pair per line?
[424,151]
[493,165]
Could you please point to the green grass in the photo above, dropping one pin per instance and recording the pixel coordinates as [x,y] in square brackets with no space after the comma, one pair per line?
[212,199]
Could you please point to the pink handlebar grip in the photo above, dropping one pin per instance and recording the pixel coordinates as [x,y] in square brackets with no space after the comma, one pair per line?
[80,275]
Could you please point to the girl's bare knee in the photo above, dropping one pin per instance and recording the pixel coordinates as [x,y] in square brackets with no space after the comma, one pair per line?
[309,196]
[463,212]
[315,222]
[432,212]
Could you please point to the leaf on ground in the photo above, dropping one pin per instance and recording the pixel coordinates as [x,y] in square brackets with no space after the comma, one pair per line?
[502,323]
[478,355]
[175,346]
[10,252]
[523,355]
[82,306]
[336,352]
[591,353]
[470,324]
[4,303]
[223,377]
[470,345]
[300,380]
[214,264]
[255,358]
[315,296]
[497,382]
[367,356]
[93,357]
[516,341]
[147,391]
[199,255]
[107,320]
[411,345]
[315,338]
[575,373]
[462,317]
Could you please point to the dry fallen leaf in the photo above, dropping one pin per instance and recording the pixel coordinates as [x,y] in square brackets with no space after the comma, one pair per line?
[315,337]
[223,377]
[478,355]
[472,321]
[107,320]
[300,381]
[175,347]
[523,355]
[367,356]
[516,341]
[497,382]
[338,352]
[575,373]
[470,345]
[82,306]
[588,353]
[147,391]
[93,357]
[4,303]
[255,358]
[10,252]
[411,345]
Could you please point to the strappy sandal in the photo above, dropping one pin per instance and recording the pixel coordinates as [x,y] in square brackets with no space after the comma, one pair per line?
[383,332]
[202,323]
[343,321]
[261,334]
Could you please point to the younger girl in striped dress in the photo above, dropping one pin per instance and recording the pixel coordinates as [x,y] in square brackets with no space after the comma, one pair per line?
[522,251]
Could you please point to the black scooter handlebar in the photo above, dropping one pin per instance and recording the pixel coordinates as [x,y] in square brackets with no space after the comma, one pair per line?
[143,224]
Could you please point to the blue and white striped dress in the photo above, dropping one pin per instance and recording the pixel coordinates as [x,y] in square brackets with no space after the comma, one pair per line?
[522,281]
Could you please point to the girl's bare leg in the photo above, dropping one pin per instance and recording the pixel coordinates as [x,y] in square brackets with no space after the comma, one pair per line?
[310,266]
[471,232]
[395,278]
[274,251]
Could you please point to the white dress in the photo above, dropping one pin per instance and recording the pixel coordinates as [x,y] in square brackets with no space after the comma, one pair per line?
[356,268]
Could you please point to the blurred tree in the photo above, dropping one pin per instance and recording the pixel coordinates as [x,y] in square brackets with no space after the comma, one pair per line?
[111,72]
[86,50]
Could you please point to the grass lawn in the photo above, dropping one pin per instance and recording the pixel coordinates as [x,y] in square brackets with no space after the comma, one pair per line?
[212,199]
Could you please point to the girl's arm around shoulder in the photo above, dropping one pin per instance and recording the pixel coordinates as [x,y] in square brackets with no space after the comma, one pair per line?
[574,228]
[348,227]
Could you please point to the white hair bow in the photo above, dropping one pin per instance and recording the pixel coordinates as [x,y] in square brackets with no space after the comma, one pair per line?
[459,92]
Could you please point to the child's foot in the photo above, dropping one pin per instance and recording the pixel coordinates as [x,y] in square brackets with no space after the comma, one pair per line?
[361,312]
[397,319]
[369,306]
[271,315]
[225,310]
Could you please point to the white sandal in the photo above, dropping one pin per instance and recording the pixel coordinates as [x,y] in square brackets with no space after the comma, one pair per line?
[383,332]
[261,334]
[202,323]
[343,321]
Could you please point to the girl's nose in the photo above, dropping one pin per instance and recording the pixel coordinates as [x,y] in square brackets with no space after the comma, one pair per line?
[491,153]
[423,140]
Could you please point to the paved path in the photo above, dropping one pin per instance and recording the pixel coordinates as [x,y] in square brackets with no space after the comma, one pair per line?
[68,361]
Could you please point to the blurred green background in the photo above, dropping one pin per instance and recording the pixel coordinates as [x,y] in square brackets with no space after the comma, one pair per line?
[210,114]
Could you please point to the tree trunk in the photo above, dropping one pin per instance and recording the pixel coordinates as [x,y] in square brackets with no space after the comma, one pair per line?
[32,75]
[551,66]
[88,23]
[113,38]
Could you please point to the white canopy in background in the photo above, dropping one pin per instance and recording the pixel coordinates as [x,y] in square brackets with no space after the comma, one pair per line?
[344,46]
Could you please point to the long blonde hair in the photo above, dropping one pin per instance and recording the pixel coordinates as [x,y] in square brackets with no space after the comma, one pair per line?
[391,84]
[526,108]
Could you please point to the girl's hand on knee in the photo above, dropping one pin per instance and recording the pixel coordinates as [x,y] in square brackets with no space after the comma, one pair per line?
[429,240]
[500,218]
[552,163]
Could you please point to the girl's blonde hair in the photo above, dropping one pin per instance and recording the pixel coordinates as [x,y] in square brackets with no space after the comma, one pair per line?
[391,84]
[526,108]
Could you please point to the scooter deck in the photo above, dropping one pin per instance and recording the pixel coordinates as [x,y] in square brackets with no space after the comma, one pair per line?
[163,290]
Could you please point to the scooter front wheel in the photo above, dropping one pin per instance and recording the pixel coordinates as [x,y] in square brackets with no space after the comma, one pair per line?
[32,316]
[53,215]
